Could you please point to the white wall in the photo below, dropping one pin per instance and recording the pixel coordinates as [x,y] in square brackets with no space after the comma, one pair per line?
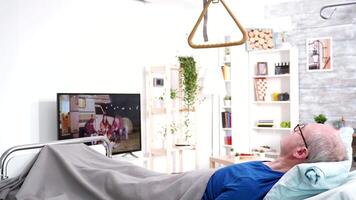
[80,46]
[95,46]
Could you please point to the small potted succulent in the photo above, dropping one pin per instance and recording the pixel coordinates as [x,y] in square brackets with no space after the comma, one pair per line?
[159,102]
[227,100]
[321,118]
[173,94]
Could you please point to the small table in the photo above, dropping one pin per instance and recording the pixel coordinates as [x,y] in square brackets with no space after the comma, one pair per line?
[229,160]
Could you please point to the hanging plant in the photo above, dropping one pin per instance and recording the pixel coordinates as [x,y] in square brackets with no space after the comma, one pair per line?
[190,81]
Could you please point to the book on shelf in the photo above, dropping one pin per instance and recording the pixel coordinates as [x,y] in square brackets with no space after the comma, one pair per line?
[264,123]
[228,140]
[226,119]
[226,71]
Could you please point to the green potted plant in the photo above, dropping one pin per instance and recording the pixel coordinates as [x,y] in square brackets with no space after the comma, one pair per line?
[168,139]
[160,101]
[227,100]
[173,94]
[321,118]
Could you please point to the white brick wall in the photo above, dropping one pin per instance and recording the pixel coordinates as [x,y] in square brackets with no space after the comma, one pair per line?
[332,93]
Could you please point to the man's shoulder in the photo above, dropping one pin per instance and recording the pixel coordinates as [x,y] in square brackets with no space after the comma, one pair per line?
[250,165]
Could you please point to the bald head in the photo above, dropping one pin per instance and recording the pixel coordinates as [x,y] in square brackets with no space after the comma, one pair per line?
[324,143]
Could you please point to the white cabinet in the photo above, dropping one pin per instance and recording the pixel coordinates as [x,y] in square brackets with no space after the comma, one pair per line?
[274,95]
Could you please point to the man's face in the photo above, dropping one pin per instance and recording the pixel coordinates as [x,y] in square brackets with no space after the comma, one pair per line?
[294,139]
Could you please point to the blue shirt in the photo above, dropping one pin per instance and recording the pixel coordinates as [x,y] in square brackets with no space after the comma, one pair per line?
[244,181]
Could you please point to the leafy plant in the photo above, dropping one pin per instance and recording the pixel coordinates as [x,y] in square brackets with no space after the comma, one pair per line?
[321,119]
[173,94]
[190,81]
[227,98]
[190,88]
[172,128]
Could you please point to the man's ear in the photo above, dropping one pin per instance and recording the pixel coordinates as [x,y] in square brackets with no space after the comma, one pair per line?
[301,153]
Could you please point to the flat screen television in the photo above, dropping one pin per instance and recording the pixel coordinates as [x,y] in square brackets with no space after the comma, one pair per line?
[117,116]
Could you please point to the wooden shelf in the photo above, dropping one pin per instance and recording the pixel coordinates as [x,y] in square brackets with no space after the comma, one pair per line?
[157,111]
[272,128]
[272,76]
[226,129]
[226,107]
[186,110]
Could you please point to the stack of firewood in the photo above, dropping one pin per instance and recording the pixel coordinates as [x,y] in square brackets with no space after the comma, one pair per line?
[260,39]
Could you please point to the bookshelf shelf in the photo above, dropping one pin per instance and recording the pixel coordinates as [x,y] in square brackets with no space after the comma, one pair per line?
[226,129]
[271,102]
[269,51]
[272,128]
[226,107]
[227,146]
[273,76]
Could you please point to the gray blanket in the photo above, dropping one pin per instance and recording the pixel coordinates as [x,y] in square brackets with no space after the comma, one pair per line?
[75,171]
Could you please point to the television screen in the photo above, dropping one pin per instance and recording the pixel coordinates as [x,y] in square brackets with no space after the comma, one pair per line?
[117,116]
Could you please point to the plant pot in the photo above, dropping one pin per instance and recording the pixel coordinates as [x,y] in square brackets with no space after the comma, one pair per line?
[227,102]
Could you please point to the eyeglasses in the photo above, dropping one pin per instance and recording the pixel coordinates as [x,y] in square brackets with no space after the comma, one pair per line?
[300,127]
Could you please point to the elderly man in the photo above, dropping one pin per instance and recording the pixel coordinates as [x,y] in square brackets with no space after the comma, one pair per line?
[252,180]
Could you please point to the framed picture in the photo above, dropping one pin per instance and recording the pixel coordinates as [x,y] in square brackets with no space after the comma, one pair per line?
[260,88]
[259,39]
[319,54]
[262,68]
[158,82]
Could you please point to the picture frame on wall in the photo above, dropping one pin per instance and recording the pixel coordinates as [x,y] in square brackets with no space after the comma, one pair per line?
[260,85]
[259,39]
[319,54]
[262,68]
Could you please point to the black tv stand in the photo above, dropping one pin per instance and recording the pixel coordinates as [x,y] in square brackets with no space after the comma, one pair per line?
[129,153]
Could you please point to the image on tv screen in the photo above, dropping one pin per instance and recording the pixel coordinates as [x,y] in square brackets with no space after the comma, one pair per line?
[116,116]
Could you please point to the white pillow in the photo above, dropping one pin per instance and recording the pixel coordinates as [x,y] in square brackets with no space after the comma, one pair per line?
[309,179]
[345,192]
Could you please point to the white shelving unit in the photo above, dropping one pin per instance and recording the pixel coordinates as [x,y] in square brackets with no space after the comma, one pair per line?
[159,113]
[226,132]
[268,109]
[165,115]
